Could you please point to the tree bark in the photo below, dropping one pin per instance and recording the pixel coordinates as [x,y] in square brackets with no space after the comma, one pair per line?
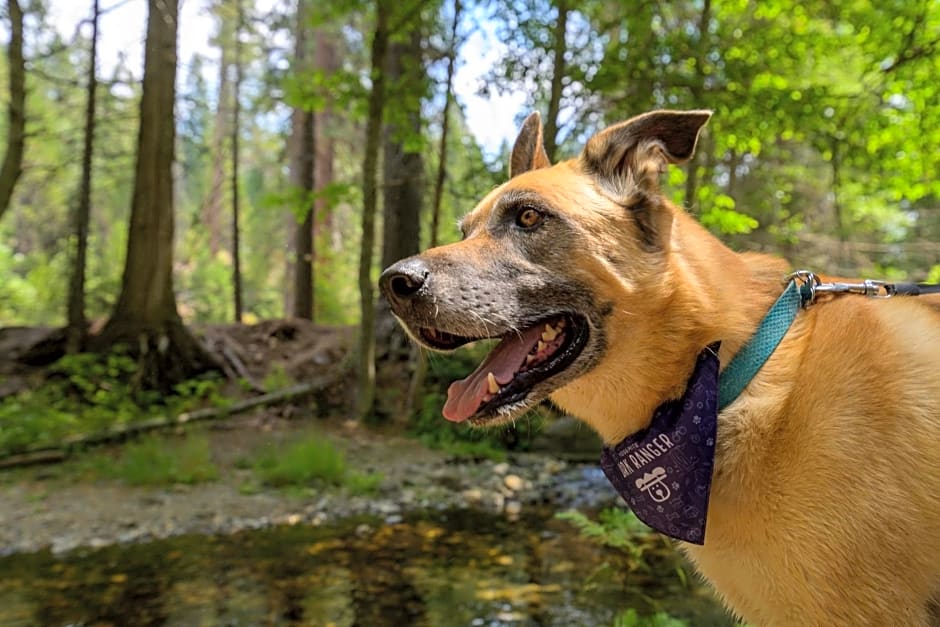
[376,105]
[236,111]
[558,73]
[77,326]
[145,318]
[403,167]
[303,151]
[416,386]
[213,205]
[326,62]
[403,196]
[16,110]
[445,125]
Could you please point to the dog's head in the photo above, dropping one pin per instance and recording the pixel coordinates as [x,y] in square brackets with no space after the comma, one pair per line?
[565,264]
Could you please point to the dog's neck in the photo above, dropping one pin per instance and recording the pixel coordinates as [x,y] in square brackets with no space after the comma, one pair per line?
[710,294]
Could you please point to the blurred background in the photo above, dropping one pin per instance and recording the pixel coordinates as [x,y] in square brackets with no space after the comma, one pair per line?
[197,196]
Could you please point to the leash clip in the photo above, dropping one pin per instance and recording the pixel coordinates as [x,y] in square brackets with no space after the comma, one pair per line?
[811,286]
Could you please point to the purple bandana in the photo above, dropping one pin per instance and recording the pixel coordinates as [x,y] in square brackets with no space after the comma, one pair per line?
[665,472]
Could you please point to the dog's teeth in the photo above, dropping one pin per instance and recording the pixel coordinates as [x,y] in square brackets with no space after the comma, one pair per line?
[561,324]
[550,333]
[541,346]
[529,359]
[493,385]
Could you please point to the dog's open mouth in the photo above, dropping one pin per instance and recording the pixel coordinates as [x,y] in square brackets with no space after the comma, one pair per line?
[517,364]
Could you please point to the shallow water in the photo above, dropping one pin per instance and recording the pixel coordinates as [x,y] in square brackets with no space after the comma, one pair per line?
[456,568]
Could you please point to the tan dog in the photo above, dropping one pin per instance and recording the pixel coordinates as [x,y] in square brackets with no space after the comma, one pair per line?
[825,503]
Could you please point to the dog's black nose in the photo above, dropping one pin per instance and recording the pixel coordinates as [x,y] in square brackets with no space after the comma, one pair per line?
[402,280]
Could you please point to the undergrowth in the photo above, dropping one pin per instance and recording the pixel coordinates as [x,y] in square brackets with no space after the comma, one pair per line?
[309,462]
[87,393]
[622,530]
[158,460]
[643,551]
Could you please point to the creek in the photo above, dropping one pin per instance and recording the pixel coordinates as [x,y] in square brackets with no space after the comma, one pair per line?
[456,567]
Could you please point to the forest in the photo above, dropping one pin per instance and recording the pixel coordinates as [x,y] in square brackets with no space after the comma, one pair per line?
[197,197]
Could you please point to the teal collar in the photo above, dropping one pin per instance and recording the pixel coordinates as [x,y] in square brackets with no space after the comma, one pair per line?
[762,344]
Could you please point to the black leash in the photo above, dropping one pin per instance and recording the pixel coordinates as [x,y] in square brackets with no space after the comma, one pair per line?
[912,289]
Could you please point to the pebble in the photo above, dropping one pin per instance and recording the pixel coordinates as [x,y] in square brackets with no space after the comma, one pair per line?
[473,495]
[513,482]
[386,507]
[501,468]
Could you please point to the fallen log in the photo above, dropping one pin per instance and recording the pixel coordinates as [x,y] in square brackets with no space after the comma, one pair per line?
[42,456]
[47,454]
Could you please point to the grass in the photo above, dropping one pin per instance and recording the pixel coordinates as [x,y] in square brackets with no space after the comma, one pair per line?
[310,461]
[156,460]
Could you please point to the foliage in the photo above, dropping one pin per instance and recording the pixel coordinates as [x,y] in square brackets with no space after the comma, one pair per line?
[310,461]
[156,460]
[622,530]
[614,527]
[631,618]
[643,549]
[276,379]
[89,393]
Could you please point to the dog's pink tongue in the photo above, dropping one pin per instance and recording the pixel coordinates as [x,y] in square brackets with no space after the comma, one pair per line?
[464,397]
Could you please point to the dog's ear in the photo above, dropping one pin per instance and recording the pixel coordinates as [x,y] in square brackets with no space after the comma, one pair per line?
[528,153]
[629,157]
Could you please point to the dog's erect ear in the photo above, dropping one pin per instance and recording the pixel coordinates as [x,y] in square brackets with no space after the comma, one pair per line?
[631,155]
[528,153]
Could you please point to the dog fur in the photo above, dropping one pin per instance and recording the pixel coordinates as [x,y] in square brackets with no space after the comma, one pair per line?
[825,505]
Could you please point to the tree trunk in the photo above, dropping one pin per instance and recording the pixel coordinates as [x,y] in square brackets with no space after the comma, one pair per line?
[145,318]
[303,151]
[445,119]
[558,73]
[77,326]
[327,62]
[416,387]
[16,110]
[236,111]
[403,195]
[213,204]
[403,168]
[366,369]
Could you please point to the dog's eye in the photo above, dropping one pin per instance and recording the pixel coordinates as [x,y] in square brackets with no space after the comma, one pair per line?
[528,218]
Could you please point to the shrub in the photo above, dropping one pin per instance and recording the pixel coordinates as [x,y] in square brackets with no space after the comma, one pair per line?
[309,461]
[157,460]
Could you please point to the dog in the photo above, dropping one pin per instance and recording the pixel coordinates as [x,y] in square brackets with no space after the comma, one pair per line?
[825,496]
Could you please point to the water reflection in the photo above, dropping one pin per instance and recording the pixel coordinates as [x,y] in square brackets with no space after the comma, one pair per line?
[458,568]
